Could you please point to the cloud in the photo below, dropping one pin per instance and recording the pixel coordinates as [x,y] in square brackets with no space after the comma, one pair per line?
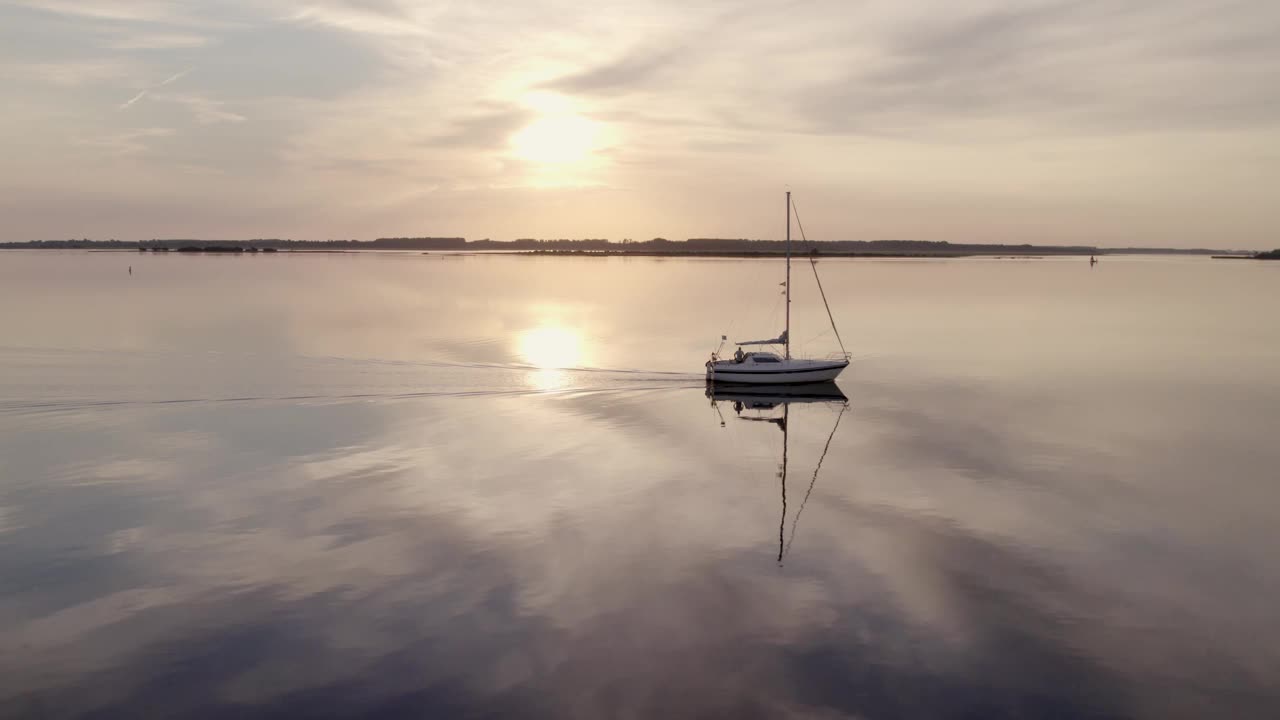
[127,143]
[130,102]
[1064,67]
[923,102]
[144,92]
[68,74]
[377,17]
[619,76]
[157,41]
[960,72]
[485,130]
[125,10]
[206,110]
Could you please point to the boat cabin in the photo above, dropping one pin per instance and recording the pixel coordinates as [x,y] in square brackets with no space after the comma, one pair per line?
[755,357]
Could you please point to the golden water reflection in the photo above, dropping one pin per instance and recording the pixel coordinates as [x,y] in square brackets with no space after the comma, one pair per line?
[551,350]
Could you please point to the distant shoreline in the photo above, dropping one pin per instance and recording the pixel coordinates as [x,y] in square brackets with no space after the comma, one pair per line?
[722,254]
[1271,255]
[709,254]
[597,247]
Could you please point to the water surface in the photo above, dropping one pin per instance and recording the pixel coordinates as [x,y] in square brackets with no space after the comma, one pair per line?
[395,485]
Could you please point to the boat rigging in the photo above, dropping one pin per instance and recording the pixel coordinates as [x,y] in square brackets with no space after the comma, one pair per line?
[763,367]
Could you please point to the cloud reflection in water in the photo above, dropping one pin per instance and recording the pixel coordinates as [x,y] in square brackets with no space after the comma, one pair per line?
[524,556]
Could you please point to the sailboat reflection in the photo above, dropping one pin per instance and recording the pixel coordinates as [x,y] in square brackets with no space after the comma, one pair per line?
[760,403]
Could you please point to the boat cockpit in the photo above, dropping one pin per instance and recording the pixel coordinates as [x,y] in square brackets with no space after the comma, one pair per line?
[755,357]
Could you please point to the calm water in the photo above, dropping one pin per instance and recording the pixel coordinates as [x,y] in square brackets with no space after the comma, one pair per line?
[430,486]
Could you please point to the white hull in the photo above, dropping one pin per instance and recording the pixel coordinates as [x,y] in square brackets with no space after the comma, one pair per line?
[756,396]
[787,372]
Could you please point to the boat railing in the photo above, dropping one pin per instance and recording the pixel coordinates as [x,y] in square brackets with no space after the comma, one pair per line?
[839,356]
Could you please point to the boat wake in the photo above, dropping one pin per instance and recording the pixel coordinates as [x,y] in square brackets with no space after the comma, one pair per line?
[21,407]
[61,380]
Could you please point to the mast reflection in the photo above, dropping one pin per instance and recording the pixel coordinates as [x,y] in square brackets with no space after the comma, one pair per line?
[760,403]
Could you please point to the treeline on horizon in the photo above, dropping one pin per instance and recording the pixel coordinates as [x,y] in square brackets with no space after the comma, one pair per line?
[655,245]
[178,243]
[728,245]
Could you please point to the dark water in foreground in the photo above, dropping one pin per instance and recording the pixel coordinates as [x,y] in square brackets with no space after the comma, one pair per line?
[368,486]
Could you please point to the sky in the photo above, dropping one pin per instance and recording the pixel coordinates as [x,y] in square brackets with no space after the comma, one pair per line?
[1143,123]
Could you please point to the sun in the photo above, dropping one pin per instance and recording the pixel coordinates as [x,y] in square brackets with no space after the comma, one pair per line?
[559,138]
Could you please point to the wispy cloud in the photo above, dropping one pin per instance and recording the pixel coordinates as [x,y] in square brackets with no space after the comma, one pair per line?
[146,91]
[378,17]
[130,10]
[157,41]
[1063,67]
[68,74]
[126,143]
[489,129]
[620,75]
[207,111]
[129,103]
[174,77]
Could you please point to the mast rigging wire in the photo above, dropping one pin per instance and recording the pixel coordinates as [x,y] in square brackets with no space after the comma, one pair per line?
[813,262]
[795,524]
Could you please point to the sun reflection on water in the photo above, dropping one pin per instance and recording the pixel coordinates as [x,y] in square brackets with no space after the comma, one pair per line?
[551,350]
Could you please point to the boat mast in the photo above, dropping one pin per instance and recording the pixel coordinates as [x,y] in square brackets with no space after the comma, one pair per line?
[786,415]
[787,334]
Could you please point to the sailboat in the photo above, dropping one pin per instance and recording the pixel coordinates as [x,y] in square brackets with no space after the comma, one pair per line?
[767,368]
